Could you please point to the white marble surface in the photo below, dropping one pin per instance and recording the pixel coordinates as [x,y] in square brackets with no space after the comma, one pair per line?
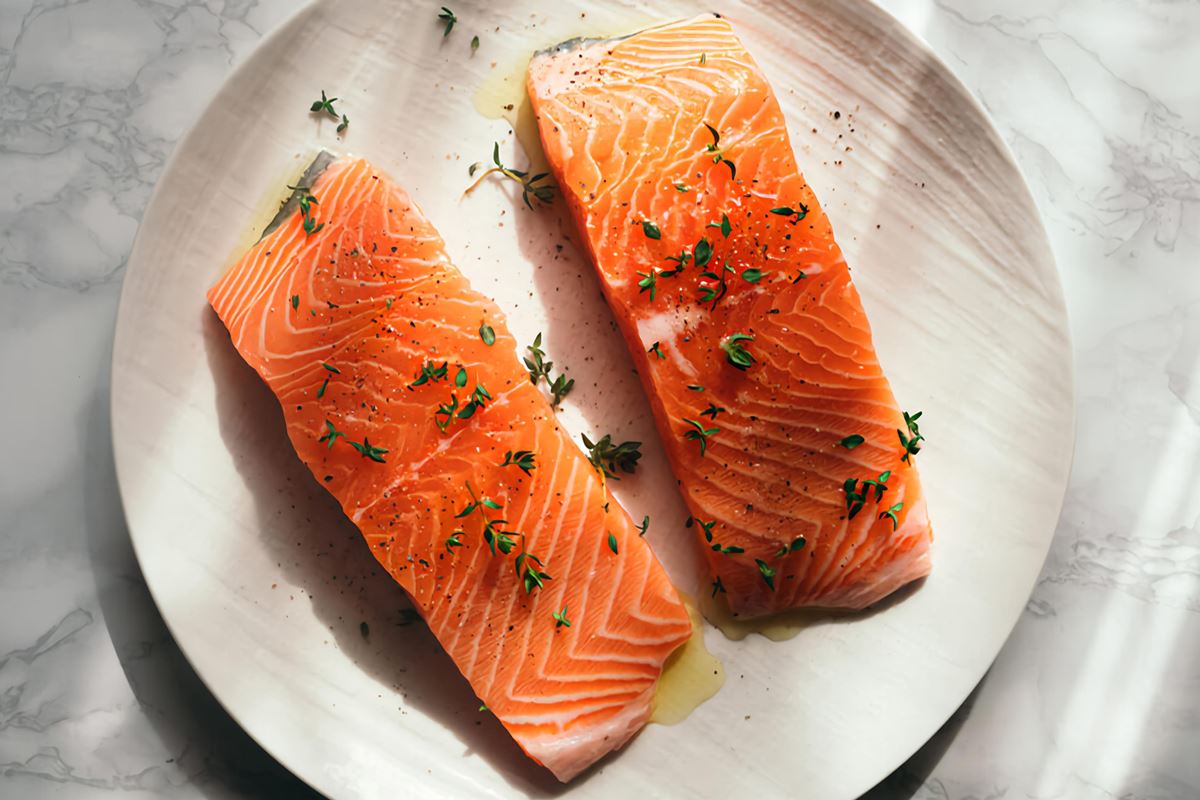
[1097,693]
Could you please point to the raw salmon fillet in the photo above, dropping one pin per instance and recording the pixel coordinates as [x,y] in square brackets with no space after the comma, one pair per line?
[737,304]
[340,324]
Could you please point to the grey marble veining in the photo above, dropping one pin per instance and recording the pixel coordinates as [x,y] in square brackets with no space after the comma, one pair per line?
[1096,694]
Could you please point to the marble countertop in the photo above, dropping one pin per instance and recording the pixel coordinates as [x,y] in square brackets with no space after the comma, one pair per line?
[1095,695]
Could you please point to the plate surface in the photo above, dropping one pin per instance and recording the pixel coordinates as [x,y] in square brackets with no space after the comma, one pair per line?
[265,584]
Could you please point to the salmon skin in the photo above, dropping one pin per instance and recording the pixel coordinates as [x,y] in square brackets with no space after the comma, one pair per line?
[367,334]
[721,268]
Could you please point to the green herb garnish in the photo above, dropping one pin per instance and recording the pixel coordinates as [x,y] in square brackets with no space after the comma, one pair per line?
[649,282]
[735,353]
[656,349]
[324,385]
[325,104]
[331,434]
[682,187]
[533,576]
[487,334]
[650,229]
[612,543]
[295,302]
[768,574]
[912,442]
[608,458]
[717,586]
[543,193]
[852,441]
[891,514]
[445,412]
[699,434]
[521,459]
[460,378]
[797,544]
[454,540]
[477,400]
[311,226]
[429,374]
[368,450]
[645,526]
[752,275]
[474,43]
[447,16]
[723,225]
[560,618]
[540,368]
[712,410]
[800,212]
[345,123]
[718,153]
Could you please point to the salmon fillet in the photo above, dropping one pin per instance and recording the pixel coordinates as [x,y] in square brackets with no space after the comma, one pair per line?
[363,329]
[737,305]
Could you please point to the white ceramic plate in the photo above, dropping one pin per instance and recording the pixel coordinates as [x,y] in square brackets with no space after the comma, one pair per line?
[264,583]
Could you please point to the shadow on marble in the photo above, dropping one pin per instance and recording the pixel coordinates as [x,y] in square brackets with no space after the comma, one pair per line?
[210,751]
[322,555]
[910,780]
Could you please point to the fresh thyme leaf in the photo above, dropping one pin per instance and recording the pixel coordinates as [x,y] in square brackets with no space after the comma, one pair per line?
[460,378]
[454,540]
[612,543]
[752,275]
[539,368]
[645,526]
[532,576]
[325,104]
[608,458]
[521,459]
[912,442]
[331,434]
[649,281]
[651,230]
[797,544]
[445,412]
[723,226]
[345,123]
[891,514]
[487,334]
[368,450]
[699,434]
[311,227]
[712,410]
[560,388]
[474,43]
[717,586]
[295,302]
[799,213]
[703,58]
[852,441]
[429,374]
[735,353]
[719,155]
[682,187]
[331,368]
[388,303]
[321,391]
[695,387]
[702,253]
[767,572]
[447,16]
[543,193]
[560,618]
[656,348]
